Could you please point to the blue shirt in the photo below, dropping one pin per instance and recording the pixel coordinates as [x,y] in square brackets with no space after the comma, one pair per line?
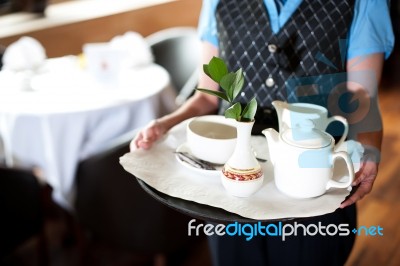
[371,30]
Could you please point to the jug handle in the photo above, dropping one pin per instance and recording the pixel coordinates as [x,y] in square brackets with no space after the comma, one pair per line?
[350,169]
[345,124]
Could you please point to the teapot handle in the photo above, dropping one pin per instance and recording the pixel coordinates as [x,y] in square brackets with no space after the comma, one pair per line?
[336,184]
[345,124]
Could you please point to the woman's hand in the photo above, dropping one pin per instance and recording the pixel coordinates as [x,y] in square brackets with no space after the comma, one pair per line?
[199,104]
[148,135]
[364,181]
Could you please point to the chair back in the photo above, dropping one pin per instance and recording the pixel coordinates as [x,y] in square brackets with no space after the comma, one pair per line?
[2,50]
[178,51]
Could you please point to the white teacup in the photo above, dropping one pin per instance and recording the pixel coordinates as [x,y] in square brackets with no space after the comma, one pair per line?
[211,138]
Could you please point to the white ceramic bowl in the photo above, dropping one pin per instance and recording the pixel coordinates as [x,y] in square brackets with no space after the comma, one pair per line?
[240,188]
[211,138]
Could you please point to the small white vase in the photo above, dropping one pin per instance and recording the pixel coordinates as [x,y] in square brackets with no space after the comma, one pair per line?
[242,175]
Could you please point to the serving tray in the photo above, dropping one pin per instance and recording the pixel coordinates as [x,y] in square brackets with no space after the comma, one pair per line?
[203,196]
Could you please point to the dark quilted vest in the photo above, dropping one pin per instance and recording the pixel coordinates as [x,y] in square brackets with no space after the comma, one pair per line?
[308,45]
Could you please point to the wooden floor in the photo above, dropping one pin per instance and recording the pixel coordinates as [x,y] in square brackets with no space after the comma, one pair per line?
[382,206]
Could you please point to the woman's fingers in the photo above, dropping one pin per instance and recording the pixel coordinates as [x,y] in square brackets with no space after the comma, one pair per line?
[147,136]
[364,180]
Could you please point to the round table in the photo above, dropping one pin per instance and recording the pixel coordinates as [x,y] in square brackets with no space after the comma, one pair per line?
[66,115]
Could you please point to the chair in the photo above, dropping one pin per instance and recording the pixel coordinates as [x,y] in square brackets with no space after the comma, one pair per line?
[22,214]
[2,50]
[178,51]
[2,152]
[113,209]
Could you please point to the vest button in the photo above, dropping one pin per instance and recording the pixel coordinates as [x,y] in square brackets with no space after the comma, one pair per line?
[272,48]
[270,82]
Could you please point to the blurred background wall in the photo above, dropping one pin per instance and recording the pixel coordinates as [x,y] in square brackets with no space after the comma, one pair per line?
[68,38]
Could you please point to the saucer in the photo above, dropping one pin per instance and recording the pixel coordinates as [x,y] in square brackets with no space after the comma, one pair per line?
[185,148]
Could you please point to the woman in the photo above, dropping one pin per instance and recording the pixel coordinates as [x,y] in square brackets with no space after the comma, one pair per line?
[278,43]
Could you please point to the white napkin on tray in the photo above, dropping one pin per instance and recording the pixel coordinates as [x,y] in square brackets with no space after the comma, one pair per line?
[159,169]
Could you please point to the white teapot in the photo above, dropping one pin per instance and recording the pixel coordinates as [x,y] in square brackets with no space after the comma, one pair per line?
[303,159]
[289,114]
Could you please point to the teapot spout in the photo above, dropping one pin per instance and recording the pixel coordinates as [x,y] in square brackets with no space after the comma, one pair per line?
[279,107]
[273,140]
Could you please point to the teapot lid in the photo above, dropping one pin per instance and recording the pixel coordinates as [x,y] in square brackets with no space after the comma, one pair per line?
[305,135]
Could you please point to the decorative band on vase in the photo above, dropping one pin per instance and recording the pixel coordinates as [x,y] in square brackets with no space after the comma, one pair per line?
[242,174]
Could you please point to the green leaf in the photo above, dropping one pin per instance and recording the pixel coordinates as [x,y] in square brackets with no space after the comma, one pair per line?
[214,93]
[205,69]
[250,110]
[234,111]
[227,84]
[231,84]
[238,83]
[216,69]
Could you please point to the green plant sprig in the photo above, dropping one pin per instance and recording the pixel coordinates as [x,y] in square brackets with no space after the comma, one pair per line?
[231,84]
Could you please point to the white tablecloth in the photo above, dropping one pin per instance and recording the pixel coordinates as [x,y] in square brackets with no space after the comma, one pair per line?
[68,116]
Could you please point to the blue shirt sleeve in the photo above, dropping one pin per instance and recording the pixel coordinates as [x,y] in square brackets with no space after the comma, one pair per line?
[371,31]
[207,28]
